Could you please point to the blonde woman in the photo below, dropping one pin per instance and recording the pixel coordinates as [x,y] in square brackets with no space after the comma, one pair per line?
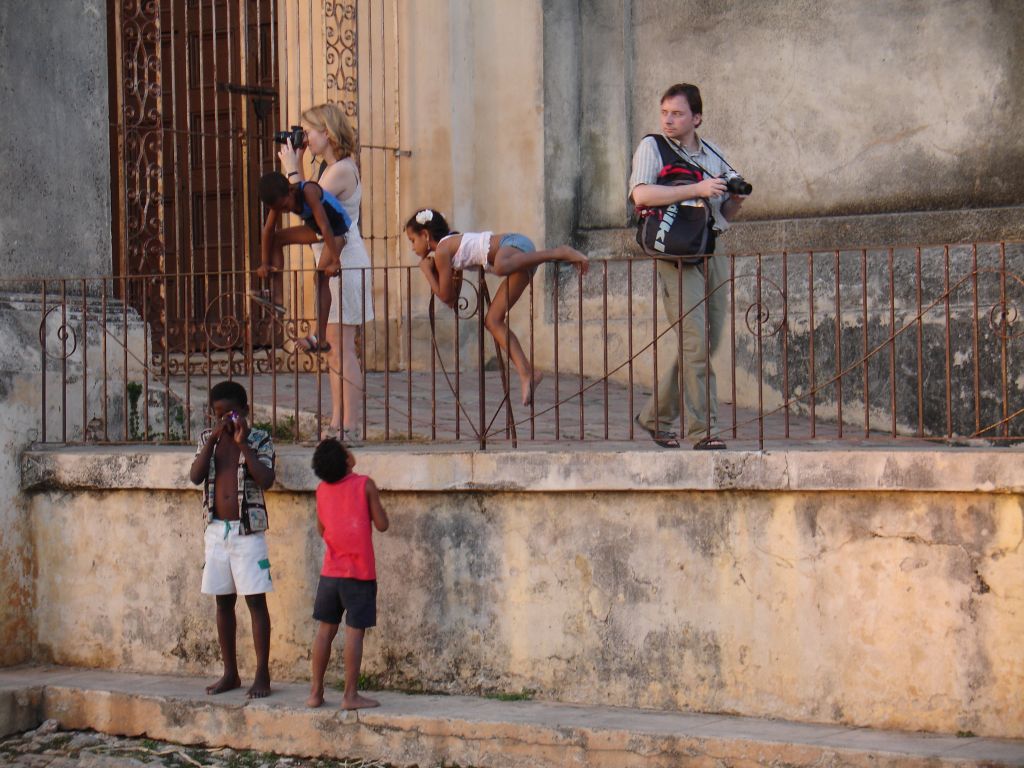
[330,137]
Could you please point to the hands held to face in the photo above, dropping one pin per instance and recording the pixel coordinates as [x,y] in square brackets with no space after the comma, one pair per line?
[291,158]
[429,269]
[232,424]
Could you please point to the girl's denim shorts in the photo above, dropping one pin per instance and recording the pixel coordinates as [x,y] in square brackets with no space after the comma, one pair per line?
[520,243]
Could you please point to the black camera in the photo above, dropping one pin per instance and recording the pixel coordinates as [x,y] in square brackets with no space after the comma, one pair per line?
[736,184]
[295,134]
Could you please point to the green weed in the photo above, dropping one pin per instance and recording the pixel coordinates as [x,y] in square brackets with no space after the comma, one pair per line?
[284,431]
[526,694]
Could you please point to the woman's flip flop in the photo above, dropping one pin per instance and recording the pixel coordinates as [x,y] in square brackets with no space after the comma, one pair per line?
[312,344]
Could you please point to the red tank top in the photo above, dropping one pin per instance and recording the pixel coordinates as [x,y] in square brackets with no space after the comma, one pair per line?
[345,516]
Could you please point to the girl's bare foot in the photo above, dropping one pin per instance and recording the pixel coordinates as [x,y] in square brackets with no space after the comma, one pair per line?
[316,699]
[358,702]
[226,683]
[530,386]
[576,257]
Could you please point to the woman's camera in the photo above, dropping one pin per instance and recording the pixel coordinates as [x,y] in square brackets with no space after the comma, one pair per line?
[295,134]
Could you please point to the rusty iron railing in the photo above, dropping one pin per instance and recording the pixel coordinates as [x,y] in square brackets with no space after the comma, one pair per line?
[865,346]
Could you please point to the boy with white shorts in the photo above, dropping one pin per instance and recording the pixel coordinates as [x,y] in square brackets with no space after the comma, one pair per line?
[236,464]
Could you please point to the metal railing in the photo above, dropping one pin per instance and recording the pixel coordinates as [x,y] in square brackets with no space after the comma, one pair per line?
[870,345]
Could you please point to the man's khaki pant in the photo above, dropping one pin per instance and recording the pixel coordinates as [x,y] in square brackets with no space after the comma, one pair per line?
[698,375]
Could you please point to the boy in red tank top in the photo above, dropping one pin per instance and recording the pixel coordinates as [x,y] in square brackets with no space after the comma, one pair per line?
[346,505]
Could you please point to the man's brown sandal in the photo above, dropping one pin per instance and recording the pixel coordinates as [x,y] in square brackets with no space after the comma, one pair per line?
[709,444]
[661,437]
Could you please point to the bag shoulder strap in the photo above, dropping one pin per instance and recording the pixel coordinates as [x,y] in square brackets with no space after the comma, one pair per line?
[670,154]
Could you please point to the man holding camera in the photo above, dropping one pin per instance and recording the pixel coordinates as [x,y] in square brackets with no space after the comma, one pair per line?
[701,287]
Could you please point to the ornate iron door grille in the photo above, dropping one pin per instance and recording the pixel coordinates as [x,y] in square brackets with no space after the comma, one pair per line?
[197,94]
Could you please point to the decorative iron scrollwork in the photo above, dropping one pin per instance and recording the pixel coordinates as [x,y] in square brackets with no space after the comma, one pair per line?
[466,306]
[342,60]
[65,333]
[226,332]
[1004,314]
[142,136]
[761,320]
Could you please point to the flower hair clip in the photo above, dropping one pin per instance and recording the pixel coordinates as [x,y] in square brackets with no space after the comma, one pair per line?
[424,216]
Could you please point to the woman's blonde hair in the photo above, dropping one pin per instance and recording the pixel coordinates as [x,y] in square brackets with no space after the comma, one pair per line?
[332,121]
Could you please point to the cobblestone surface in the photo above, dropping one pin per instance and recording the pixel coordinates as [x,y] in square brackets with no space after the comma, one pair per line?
[49,747]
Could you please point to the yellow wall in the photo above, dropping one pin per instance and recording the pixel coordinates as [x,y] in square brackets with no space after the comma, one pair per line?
[472,113]
[815,586]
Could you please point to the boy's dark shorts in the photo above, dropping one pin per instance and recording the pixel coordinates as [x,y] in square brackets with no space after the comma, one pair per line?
[355,597]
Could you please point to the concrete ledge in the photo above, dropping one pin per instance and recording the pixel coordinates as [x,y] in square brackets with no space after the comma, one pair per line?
[879,230]
[21,708]
[430,730]
[576,469]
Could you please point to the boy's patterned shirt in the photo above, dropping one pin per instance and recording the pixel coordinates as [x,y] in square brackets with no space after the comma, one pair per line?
[252,506]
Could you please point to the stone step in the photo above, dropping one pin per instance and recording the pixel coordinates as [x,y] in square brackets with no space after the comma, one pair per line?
[427,730]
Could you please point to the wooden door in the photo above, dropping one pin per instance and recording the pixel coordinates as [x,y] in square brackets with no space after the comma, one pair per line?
[219,109]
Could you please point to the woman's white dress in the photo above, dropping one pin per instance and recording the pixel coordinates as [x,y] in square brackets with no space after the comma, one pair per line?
[352,293]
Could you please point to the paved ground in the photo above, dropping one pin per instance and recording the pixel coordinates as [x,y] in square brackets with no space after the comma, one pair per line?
[408,729]
[421,406]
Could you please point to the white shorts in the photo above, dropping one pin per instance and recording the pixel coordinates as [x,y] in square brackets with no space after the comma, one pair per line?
[235,564]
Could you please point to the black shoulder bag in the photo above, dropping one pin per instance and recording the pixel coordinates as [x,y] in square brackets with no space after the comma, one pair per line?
[680,231]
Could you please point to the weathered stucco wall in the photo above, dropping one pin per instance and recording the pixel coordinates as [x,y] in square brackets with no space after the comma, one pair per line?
[829,109]
[19,410]
[55,194]
[523,116]
[473,113]
[837,108]
[868,588]
[473,107]
[23,393]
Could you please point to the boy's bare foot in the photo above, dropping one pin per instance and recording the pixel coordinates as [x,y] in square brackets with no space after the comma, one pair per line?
[576,257]
[316,699]
[260,687]
[358,702]
[226,683]
[530,386]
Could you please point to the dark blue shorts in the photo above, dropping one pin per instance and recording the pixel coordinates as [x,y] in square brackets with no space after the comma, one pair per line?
[356,598]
